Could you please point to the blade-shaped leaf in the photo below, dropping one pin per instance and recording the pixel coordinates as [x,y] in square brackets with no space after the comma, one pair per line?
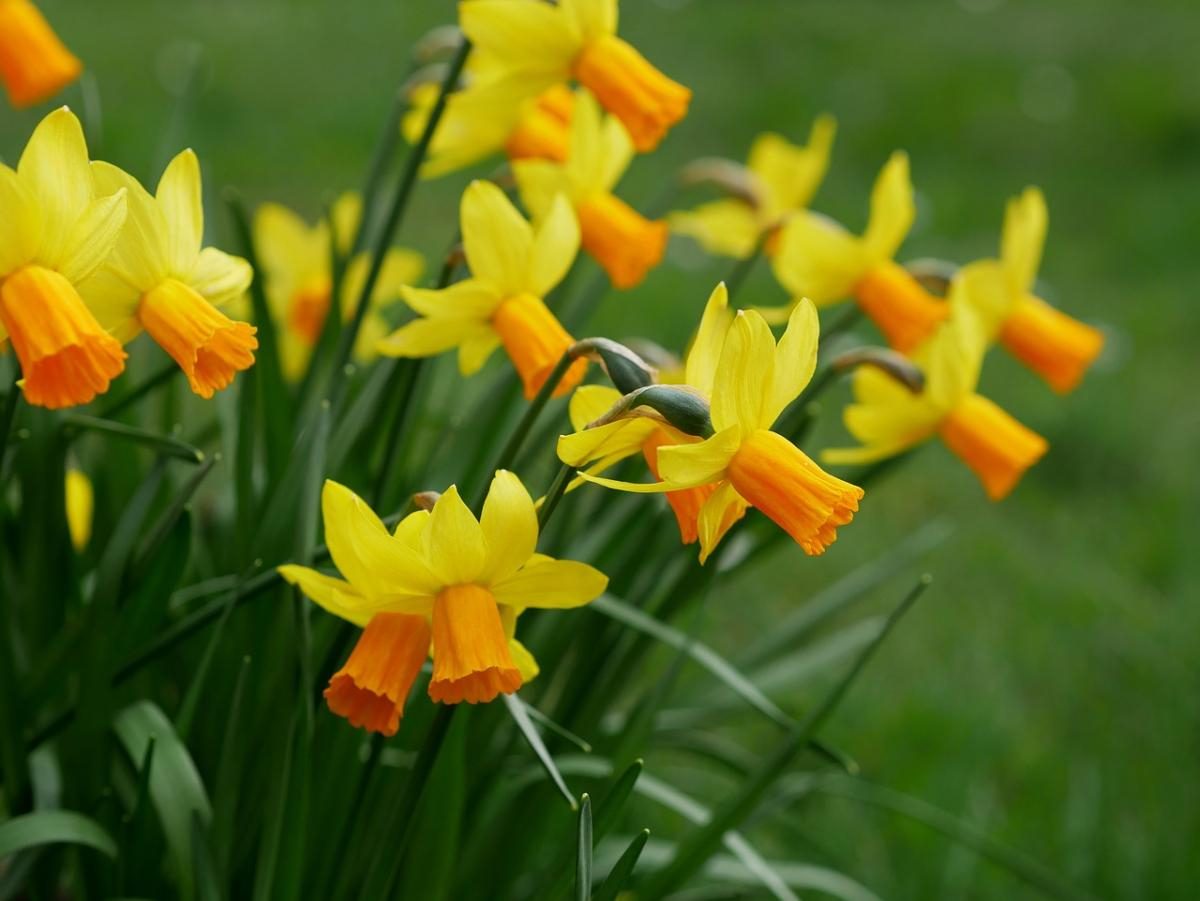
[49,827]
[516,708]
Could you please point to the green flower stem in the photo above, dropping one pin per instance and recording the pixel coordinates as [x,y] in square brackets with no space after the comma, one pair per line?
[383,240]
[380,157]
[163,444]
[694,851]
[404,380]
[9,410]
[741,270]
[554,494]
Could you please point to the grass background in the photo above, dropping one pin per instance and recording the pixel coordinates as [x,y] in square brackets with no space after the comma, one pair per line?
[1045,689]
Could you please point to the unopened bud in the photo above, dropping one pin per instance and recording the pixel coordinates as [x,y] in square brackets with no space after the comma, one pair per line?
[891,362]
[680,406]
[625,369]
[424,500]
[437,42]
[932,274]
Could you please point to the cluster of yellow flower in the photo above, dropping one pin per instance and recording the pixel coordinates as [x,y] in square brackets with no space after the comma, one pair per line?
[89,258]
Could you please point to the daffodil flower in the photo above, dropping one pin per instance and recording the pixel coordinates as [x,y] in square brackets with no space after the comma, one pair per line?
[444,583]
[783,177]
[487,117]
[512,267]
[162,280]
[296,261]
[888,418]
[603,446]
[819,259]
[622,240]
[34,63]
[750,381]
[56,229]
[537,45]
[80,503]
[1056,346]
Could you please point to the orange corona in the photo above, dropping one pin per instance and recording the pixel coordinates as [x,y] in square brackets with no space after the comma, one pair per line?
[623,241]
[535,341]
[996,447]
[34,64]
[371,688]
[1056,346]
[905,312]
[471,661]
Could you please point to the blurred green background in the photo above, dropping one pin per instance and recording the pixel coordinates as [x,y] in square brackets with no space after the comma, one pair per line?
[1045,689]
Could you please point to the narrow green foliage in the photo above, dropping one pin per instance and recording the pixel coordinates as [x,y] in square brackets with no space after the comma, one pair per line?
[161,444]
[516,707]
[583,863]
[619,876]
[52,827]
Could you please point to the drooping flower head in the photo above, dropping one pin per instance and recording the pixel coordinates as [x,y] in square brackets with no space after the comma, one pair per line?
[819,259]
[34,64]
[623,241]
[782,179]
[537,45]
[512,267]
[297,265]
[161,279]
[1056,346]
[750,380]
[56,229]
[888,418]
[443,583]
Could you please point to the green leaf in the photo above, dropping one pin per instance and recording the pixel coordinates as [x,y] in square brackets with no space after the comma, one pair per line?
[160,444]
[583,860]
[175,786]
[145,610]
[50,827]
[208,885]
[622,870]
[516,707]
[609,809]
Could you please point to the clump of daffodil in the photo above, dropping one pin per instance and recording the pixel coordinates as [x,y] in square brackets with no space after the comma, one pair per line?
[80,502]
[297,264]
[538,45]
[817,258]
[1056,346]
[512,267]
[488,116]
[736,363]
[161,279]
[34,63]
[622,240]
[56,229]
[888,417]
[780,179]
[443,583]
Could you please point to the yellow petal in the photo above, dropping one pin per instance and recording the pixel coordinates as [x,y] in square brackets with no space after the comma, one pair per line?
[334,595]
[589,403]
[982,289]
[529,36]
[549,583]
[55,167]
[1021,242]
[540,182]
[510,527]
[745,375]
[860,456]
[720,512]
[140,253]
[892,209]
[374,562]
[952,359]
[601,148]
[726,227]
[178,197]
[220,277]
[475,350]
[523,661]
[791,173]
[92,238]
[795,358]
[20,222]
[554,247]
[454,543]
[701,462]
[468,299]
[80,503]
[592,17]
[497,240]
[114,303]
[401,267]
[429,337]
[705,354]
[346,215]
[410,531]
[287,246]
[818,259]
[614,440]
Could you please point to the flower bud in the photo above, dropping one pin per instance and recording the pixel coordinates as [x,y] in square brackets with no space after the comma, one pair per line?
[625,369]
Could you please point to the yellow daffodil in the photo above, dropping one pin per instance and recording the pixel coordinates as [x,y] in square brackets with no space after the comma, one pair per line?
[80,501]
[512,267]
[56,229]
[888,418]
[750,381]
[819,259]
[161,279]
[783,179]
[487,117]
[1056,346]
[624,242]
[34,64]
[444,583]
[296,260]
[537,45]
